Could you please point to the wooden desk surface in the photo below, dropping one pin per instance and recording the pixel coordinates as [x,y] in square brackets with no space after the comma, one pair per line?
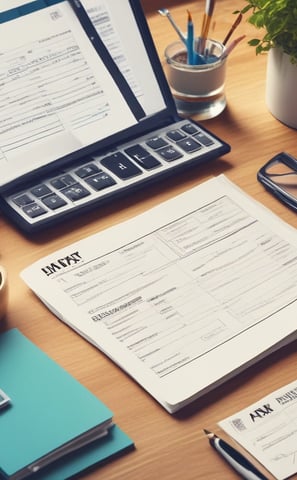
[167,447]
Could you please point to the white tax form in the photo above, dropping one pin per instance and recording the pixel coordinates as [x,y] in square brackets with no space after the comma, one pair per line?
[176,295]
[268,430]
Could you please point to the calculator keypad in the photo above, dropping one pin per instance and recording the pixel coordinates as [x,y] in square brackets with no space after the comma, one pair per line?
[123,167]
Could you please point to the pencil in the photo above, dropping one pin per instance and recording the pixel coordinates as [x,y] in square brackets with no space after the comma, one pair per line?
[190,40]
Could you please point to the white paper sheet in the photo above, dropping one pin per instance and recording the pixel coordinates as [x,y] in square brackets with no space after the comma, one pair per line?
[56,93]
[176,294]
[268,430]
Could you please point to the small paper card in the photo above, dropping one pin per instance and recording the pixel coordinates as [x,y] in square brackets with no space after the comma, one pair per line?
[268,430]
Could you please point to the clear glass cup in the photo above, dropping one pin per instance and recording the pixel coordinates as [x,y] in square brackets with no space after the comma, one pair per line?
[197,89]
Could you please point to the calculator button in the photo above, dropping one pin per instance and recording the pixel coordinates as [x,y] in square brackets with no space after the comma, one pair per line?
[142,157]
[100,181]
[54,201]
[63,181]
[204,139]
[156,142]
[75,192]
[190,129]
[67,180]
[189,145]
[87,170]
[57,183]
[22,200]
[40,190]
[175,135]
[136,152]
[121,166]
[148,162]
[34,210]
[169,154]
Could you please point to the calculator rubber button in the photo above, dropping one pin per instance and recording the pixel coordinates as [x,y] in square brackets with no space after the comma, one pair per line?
[169,154]
[67,180]
[121,166]
[23,200]
[175,135]
[40,190]
[87,170]
[54,201]
[148,163]
[100,181]
[156,142]
[204,139]
[34,210]
[57,183]
[141,156]
[75,192]
[189,145]
[189,128]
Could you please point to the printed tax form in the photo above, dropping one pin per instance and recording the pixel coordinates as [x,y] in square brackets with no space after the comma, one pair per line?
[183,296]
[268,430]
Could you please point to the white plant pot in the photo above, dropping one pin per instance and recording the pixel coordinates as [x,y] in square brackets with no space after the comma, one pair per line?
[281,87]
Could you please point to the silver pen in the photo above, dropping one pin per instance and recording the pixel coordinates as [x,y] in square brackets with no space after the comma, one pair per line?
[165,13]
[234,458]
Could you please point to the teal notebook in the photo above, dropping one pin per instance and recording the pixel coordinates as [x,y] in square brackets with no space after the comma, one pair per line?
[49,411]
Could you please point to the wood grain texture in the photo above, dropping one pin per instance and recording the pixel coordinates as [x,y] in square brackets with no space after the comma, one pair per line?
[167,447]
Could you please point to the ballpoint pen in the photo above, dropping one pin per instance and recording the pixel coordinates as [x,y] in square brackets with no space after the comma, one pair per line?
[234,458]
[165,13]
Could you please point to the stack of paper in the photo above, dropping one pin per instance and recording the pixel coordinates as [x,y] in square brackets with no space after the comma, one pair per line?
[53,427]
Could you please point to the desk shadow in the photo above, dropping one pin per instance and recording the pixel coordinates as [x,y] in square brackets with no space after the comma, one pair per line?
[236,383]
[228,119]
[92,217]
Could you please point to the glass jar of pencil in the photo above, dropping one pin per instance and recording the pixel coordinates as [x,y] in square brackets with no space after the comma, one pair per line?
[197,82]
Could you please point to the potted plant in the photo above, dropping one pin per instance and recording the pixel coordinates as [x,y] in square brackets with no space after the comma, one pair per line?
[278,20]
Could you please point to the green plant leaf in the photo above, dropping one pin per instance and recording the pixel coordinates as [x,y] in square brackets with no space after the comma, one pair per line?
[278,20]
[254,42]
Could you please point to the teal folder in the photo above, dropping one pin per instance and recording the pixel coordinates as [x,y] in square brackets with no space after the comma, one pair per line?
[49,410]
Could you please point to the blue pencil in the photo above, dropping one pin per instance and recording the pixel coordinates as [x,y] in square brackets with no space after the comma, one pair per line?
[190,40]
